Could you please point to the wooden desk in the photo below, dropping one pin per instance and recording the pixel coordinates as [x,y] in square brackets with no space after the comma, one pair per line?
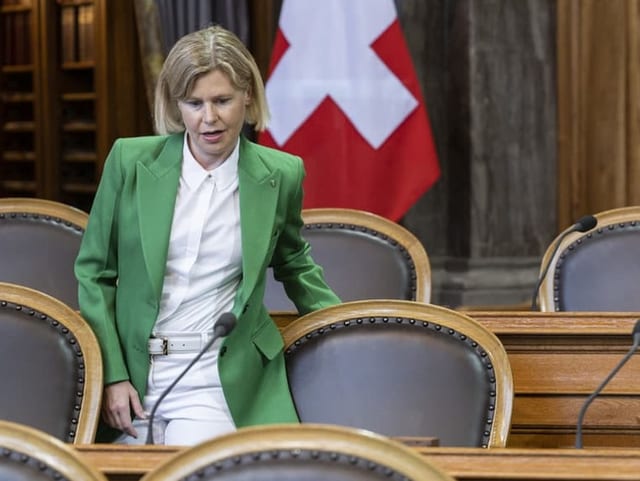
[129,463]
[557,360]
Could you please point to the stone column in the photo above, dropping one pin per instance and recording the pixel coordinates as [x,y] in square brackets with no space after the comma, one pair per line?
[488,73]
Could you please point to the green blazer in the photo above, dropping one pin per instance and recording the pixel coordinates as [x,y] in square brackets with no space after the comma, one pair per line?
[121,263]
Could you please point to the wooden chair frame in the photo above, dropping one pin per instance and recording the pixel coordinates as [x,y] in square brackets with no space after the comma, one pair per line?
[30,445]
[385,229]
[612,217]
[397,309]
[15,296]
[298,438]
[41,207]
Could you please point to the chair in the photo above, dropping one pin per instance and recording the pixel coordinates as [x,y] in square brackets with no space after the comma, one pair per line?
[298,452]
[32,455]
[50,366]
[402,369]
[364,256]
[39,242]
[598,270]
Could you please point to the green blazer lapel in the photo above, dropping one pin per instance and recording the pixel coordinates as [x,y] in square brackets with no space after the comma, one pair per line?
[157,188]
[259,187]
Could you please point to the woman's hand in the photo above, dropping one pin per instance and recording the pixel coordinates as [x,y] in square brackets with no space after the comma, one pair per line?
[119,400]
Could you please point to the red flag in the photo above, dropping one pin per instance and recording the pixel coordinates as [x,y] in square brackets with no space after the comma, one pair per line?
[344,96]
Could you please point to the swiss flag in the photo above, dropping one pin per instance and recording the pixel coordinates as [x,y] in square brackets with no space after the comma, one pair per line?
[344,96]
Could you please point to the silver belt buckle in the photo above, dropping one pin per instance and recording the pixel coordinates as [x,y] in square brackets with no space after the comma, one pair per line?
[156,343]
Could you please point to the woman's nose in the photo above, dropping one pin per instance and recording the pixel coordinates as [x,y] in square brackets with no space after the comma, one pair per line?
[210,114]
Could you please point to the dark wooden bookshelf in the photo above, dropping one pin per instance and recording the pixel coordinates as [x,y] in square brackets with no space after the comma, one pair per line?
[70,84]
[18,156]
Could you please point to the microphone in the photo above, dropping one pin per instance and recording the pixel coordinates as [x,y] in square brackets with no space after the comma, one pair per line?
[584,224]
[583,410]
[223,326]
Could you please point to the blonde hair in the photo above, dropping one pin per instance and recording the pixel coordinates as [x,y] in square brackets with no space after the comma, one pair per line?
[196,54]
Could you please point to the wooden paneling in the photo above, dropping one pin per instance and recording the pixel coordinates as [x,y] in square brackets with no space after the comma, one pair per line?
[264,23]
[557,360]
[520,464]
[598,106]
[556,411]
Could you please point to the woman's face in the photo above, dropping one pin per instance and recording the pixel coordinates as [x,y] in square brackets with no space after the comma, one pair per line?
[213,115]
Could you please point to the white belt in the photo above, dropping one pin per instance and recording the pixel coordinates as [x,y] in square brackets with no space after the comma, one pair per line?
[169,343]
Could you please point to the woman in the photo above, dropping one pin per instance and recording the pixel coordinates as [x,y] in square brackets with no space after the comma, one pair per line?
[183,228]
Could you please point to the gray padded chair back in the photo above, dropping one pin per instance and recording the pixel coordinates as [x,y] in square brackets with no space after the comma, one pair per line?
[364,256]
[400,370]
[39,242]
[598,270]
[298,452]
[50,366]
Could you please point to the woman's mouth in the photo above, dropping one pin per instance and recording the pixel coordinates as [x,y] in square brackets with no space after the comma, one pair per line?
[212,136]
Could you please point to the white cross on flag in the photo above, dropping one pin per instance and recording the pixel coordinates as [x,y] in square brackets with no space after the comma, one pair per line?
[344,96]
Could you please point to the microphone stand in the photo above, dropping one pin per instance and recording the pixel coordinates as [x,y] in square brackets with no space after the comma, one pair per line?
[594,394]
[584,224]
[563,234]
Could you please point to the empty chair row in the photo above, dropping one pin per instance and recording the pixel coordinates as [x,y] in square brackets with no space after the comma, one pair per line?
[364,256]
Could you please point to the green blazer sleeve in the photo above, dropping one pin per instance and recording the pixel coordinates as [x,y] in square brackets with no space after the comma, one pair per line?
[96,268]
[292,260]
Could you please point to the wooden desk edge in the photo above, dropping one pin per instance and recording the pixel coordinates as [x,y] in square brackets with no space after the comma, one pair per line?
[539,323]
[462,463]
